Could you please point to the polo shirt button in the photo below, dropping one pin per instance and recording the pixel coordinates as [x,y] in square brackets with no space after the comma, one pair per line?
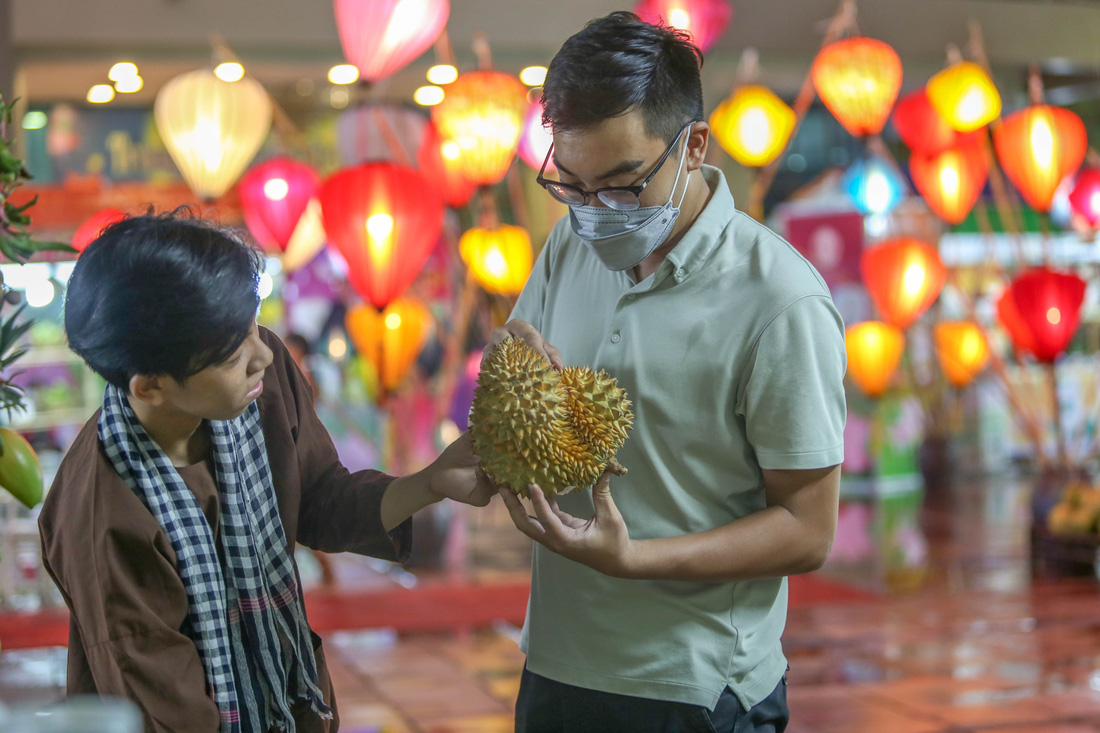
[630,296]
[680,272]
[615,337]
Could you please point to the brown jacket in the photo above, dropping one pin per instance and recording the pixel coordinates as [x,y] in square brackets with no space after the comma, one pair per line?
[117,571]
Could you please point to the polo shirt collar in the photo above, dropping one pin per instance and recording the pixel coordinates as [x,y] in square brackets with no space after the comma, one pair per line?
[705,233]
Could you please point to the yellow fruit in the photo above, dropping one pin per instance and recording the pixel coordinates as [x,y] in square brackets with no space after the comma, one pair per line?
[533,424]
[20,472]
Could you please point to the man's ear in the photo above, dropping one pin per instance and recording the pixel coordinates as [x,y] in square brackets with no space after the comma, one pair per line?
[698,141]
[148,389]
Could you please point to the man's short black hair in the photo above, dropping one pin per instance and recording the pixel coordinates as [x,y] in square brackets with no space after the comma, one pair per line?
[620,63]
[166,294]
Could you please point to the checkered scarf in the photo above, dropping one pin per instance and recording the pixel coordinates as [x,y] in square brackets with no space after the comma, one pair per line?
[247,620]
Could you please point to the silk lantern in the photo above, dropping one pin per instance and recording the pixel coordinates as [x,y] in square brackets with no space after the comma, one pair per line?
[212,128]
[439,161]
[1084,199]
[308,239]
[384,219]
[1038,147]
[371,133]
[536,140]
[922,128]
[274,195]
[381,37]
[875,186]
[904,277]
[858,79]
[951,180]
[1042,311]
[961,349]
[874,350]
[87,232]
[705,20]
[483,112]
[391,339]
[753,125]
[965,96]
[499,258]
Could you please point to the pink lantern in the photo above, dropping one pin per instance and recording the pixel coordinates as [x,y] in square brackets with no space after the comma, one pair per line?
[274,195]
[536,140]
[705,20]
[382,36]
[1085,196]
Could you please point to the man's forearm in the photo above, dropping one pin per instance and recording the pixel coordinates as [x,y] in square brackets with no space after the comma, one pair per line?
[766,544]
[405,496]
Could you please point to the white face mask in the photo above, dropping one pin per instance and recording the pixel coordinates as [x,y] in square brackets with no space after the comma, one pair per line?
[622,239]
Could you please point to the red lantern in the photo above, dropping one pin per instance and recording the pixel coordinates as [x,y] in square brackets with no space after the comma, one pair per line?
[483,112]
[274,195]
[382,36]
[952,180]
[705,20]
[904,277]
[858,79]
[384,219]
[439,162]
[921,127]
[1085,196]
[96,223]
[1038,147]
[1041,310]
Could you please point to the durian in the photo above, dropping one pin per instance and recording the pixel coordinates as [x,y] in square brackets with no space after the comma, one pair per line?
[533,424]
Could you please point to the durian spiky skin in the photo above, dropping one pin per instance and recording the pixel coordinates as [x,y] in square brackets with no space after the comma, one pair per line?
[533,424]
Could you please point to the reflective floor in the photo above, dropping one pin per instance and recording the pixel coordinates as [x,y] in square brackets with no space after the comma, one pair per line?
[953,632]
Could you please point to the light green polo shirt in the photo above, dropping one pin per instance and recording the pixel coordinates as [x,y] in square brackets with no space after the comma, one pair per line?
[733,356]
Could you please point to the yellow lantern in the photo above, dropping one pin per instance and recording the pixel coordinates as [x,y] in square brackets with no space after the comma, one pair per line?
[753,125]
[964,95]
[391,339]
[962,351]
[874,350]
[307,240]
[500,258]
[212,128]
[483,112]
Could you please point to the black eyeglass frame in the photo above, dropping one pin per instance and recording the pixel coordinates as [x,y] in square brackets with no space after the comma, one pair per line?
[636,190]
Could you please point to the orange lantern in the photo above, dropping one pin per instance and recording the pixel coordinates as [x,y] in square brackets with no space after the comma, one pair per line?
[391,339]
[858,79]
[962,351]
[439,160]
[753,125]
[952,180]
[500,258]
[904,277]
[1038,147]
[483,112]
[965,96]
[874,350]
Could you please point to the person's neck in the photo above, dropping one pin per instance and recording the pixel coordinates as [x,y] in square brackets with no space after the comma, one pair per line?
[176,433]
[695,201]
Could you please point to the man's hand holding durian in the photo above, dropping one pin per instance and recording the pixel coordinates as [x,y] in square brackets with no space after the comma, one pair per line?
[524,331]
[456,474]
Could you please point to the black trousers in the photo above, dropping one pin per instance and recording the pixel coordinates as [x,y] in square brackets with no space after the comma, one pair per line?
[546,706]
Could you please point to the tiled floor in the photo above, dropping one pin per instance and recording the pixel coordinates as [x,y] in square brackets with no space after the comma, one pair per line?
[960,638]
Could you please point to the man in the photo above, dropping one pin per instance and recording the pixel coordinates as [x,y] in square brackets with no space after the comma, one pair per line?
[662,609]
[170,527]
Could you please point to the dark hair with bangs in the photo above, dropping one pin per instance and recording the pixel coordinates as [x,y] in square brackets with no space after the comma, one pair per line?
[620,63]
[161,294]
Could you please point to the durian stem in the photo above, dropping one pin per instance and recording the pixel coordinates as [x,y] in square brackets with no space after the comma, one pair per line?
[615,467]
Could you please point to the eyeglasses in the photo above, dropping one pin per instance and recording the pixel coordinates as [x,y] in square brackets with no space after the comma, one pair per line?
[620,198]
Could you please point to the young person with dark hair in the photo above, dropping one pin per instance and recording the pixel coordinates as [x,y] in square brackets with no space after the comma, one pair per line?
[170,527]
[662,609]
